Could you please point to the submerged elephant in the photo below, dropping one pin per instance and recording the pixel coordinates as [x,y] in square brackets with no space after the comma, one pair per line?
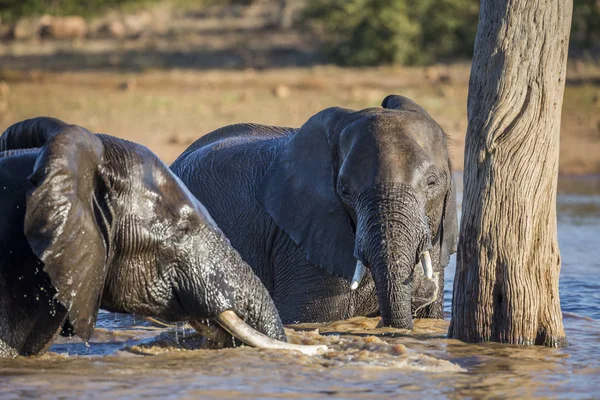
[311,208]
[93,221]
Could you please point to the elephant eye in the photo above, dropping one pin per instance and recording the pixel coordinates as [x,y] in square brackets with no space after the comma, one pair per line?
[345,192]
[182,229]
[432,181]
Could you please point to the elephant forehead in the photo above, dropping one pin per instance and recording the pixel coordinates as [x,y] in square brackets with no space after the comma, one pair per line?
[172,197]
[372,161]
[396,129]
[392,145]
[148,189]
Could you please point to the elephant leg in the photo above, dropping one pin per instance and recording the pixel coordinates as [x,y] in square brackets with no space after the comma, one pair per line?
[45,331]
[306,293]
[365,298]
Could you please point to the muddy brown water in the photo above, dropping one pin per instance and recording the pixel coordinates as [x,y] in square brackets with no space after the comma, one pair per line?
[129,358]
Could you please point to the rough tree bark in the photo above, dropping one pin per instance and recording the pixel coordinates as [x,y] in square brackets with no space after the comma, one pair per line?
[508,262]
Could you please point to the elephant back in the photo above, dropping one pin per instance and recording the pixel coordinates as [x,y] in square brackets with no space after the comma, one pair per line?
[237,134]
[30,134]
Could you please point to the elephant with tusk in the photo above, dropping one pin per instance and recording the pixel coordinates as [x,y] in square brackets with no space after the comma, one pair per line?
[334,216]
[91,221]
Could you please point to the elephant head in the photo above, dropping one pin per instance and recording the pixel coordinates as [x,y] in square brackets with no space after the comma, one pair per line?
[116,229]
[370,188]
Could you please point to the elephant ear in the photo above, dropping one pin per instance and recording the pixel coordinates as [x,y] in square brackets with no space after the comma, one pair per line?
[298,192]
[397,102]
[31,133]
[449,228]
[60,222]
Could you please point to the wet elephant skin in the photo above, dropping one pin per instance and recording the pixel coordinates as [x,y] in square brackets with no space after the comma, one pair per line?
[302,206]
[91,221]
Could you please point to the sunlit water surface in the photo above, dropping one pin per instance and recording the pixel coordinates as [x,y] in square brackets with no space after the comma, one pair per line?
[128,357]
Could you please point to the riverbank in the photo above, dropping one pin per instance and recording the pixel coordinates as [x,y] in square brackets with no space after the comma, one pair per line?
[166,110]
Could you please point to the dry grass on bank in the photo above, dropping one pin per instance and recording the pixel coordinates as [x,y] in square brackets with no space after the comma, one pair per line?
[168,109]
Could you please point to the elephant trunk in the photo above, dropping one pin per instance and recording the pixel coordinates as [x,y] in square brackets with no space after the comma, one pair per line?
[258,306]
[244,307]
[229,284]
[392,237]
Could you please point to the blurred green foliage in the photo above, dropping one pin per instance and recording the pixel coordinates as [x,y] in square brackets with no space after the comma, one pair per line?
[13,9]
[585,31]
[372,32]
[364,32]
[361,32]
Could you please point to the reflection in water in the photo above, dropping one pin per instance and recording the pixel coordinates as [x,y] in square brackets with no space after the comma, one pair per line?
[365,361]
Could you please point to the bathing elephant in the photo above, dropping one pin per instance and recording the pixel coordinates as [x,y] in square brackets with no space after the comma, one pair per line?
[92,221]
[311,209]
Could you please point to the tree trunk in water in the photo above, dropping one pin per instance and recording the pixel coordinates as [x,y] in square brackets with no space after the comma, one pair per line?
[508,262]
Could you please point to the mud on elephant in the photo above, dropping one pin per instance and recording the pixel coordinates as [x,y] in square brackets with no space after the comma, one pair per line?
[312,209]
[93,221]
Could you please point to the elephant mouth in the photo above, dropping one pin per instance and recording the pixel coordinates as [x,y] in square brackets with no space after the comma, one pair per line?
[244,332]
[424,263]
[425,295]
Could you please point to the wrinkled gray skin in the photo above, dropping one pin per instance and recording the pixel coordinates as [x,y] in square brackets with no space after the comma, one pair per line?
[93,221]
[303,205]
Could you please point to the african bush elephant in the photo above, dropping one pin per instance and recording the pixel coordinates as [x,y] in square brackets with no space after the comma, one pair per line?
[309,209]
[93,221]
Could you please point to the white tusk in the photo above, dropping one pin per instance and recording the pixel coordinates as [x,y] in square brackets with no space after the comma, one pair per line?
[160,323]
[359,272]
[426,264]
[244,332]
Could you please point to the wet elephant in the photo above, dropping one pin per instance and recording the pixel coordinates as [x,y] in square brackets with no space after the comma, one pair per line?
[92,221]
[334,216]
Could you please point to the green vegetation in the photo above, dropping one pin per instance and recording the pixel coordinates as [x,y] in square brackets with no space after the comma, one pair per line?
[372,32]
[364,32]
[13,9]
[358,32]
[585,31]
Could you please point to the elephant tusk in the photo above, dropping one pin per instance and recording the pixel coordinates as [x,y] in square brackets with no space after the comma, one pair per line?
[244,332]
[359,272]
[160,323]
[426,264]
